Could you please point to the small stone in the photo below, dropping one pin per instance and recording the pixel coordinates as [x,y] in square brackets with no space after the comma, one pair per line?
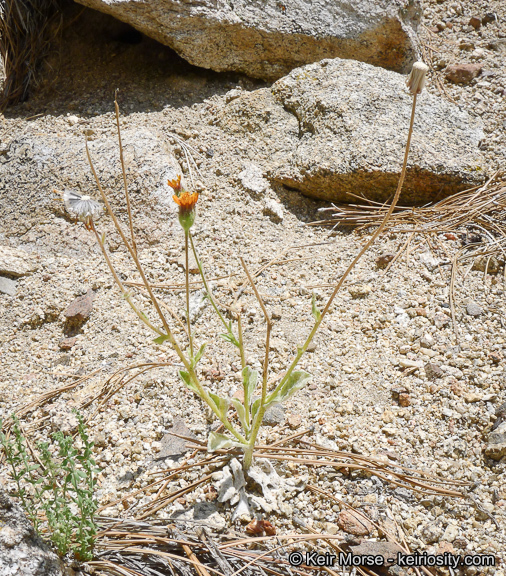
[273,209]
[330,528]
[427,341]
[172,446]
[274,415]
[404,400]
[387,417]
[294,421]
[354,524]
[475,22]
[429,261]
[192,263]
[80,309]
[433,371]
[7,286]
[472,397]
[360,290]
[253,180]
[72,120]
[276,312]
[406,363]
[67,343]
[384,260]
[450,533]
[441,320]
[389,551]
[473,309]
[462,73]
[16,262]
[489,263]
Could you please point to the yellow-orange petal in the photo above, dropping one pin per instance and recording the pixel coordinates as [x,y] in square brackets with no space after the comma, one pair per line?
[186,201]
[175,184]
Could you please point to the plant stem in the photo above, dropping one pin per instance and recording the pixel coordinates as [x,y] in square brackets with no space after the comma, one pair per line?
[127,196]
[124,292]
[132,252]
[188,322]
[373,238]
[248,453]
[204,281]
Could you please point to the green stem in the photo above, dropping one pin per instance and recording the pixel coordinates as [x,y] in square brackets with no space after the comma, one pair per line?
[188,322]
[204,281]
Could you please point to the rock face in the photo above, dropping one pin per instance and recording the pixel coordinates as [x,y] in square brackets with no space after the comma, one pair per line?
[34,165]
[22,552]
[267,38]
[338,127]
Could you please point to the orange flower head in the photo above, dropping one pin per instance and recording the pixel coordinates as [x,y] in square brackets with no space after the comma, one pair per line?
[186,202]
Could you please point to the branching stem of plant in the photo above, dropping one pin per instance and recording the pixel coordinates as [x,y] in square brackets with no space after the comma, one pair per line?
[248,453]
[187,277]
[168,334]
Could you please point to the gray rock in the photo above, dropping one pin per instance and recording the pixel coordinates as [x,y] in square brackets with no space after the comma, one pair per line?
[22,552]
[16,262]
[266,39]
[353,120]
[273,209]
[253,180]
[498,436]
[37,163]
[433,371]
[173,446]
[275,415]
[7,286]
[473,309]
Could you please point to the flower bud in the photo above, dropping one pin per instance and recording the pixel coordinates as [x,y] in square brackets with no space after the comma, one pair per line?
[186,202]
[416,80]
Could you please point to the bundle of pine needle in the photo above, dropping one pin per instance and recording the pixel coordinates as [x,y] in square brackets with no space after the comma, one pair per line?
[26,29]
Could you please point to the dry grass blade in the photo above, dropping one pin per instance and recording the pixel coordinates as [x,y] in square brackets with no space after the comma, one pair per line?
[483,205]
[26,30]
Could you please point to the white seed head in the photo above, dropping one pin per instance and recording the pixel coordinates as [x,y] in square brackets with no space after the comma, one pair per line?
[82,207]
[416,80]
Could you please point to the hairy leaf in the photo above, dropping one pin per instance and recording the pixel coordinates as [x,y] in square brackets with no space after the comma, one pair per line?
[187,381]
[296,381]
[316,313]
[221,404]
[241,412]
[249,379]
[218,442]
